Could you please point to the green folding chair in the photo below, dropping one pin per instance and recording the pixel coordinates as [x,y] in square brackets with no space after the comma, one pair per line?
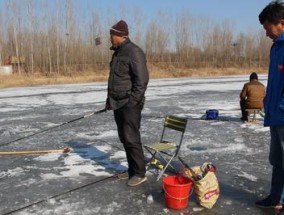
[170,142]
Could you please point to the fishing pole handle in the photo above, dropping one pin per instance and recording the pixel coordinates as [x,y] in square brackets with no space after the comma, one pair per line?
[183,162]
[93,113]
[188,167]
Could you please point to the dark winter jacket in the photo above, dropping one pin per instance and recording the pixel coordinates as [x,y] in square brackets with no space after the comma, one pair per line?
[253,93]
[128,78]
[274,99]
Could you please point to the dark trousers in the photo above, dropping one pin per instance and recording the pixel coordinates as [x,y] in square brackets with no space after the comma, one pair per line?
[276,158]
[243,105]
[128,119]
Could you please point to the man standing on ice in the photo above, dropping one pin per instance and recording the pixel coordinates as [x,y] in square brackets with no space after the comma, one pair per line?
[272,19]
[127,83]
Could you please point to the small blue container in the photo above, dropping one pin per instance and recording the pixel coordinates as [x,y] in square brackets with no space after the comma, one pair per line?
[212,114]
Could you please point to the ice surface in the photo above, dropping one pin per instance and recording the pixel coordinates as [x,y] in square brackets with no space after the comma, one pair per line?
[239,150]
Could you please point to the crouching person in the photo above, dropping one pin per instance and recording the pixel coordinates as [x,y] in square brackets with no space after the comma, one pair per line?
[251,96]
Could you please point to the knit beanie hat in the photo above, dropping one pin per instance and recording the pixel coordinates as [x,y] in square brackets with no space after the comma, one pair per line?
[253,76]
[120,29]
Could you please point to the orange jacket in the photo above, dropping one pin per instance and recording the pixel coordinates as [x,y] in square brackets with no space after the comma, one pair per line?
[253,93]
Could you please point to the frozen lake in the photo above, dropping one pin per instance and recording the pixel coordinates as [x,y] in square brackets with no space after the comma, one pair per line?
[40,184]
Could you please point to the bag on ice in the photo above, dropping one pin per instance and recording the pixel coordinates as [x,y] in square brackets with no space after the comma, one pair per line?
[205,184]
[212,114]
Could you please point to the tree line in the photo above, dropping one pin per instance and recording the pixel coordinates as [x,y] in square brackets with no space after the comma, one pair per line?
[58,38]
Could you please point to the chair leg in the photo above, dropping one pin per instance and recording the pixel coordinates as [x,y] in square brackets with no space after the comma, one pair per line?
[152,158]
[162,172]
[166,161]
[153,154]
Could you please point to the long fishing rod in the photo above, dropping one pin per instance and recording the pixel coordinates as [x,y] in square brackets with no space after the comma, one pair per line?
[82,117]
[61,194]
[65,123]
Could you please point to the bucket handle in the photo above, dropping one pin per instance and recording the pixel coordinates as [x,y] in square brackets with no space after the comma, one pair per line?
[191,190]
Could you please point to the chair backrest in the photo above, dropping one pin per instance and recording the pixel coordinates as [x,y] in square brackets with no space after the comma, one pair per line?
[177,124]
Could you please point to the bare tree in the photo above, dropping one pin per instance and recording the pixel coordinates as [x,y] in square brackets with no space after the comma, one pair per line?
[31,16]
[182,35]
[1,36]
[14,25]
[262,48]
[55,36]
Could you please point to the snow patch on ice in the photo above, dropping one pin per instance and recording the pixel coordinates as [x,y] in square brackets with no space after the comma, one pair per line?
[47,176]
[27,182]
[228,202]
[240,163]
[50,124]
[217,123]
[105,148]
[194,116]
[48,157]
[124,163]
[76,171]
[218,148]
[12,172]
[262,129]
[110,207]
[11,110]
[258,127]
[52,201]
[248,176]
[74,159]
[195,209]
[119,154]
[92,136]
[239,140]
[83,162]
[110,133]
[230,148]
[91,152]
[62,206]
[7,133]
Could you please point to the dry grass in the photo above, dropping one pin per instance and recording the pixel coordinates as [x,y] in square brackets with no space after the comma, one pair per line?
[171,72]
[39,79]
[155,72]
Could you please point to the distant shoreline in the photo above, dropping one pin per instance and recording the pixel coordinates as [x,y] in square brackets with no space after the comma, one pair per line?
[24,80]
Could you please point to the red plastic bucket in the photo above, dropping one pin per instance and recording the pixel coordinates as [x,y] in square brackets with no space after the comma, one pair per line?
[177,190]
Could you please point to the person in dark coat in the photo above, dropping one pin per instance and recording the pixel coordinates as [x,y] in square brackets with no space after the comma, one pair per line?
[127,83]
[252,95]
